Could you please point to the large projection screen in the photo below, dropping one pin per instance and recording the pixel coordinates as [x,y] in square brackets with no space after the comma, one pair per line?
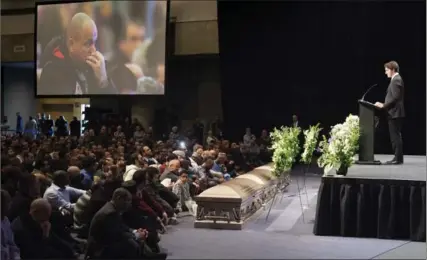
[101,48]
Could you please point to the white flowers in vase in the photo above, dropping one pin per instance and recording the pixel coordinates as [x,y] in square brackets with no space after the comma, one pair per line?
[339,150]
[311,137]
[285,146]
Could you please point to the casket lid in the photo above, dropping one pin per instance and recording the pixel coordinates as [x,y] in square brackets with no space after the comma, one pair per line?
[233,189]
[261,175]
[253,177]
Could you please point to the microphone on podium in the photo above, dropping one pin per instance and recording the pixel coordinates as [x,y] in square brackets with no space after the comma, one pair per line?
[367,91]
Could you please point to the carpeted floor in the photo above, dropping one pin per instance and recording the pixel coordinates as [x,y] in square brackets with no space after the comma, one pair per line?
[286,234]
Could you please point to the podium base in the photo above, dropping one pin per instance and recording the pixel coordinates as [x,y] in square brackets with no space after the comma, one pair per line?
[374,162]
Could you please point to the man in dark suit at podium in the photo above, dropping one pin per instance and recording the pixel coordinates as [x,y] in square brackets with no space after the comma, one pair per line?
[395,109]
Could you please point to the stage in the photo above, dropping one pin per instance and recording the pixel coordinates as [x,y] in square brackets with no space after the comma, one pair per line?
[382,201]
[289,234]
[413,169]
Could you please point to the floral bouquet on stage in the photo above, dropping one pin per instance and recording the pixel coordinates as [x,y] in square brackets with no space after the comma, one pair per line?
[311,137]
[339,150]
[285,146]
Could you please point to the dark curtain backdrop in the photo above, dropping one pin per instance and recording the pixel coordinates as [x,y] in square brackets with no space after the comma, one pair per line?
[315,60]
[185,74]
[2,94]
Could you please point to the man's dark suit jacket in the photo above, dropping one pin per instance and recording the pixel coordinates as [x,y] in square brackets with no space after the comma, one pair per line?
[29,238]
[109,236]
[394,98]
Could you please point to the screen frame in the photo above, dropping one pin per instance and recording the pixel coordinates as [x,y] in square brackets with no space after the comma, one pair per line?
[55,2]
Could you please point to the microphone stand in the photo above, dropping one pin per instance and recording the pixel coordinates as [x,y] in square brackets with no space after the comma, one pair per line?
[367,91]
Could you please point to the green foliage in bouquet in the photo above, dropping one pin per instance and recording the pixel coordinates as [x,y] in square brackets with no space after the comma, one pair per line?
[339,150]
[311,136]
[285,146]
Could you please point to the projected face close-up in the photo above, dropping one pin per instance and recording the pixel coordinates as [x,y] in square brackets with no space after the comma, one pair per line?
[81,44]
[101,48]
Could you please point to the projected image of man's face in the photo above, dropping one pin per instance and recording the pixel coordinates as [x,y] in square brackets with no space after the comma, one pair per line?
[101,48]
[82,44]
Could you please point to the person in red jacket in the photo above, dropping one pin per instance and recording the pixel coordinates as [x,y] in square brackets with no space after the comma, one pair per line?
[141,216]
[146,200]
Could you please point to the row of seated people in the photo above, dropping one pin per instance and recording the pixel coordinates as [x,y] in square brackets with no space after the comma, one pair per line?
[90,191]
[111,209]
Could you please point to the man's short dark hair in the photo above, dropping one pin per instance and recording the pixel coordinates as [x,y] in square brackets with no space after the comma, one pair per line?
[182,172]
[59,175]
[120,27]
[392,65]
[121,193]
[151,172]
[133,158]
[171,157]
[185,164]
[87,162]
[140,176]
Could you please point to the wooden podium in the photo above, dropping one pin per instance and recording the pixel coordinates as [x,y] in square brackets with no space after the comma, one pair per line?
[367,133]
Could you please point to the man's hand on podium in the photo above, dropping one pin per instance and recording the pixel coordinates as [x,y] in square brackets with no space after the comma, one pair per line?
[379,104]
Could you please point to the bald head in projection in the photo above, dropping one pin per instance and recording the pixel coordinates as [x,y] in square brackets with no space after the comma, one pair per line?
[81,34]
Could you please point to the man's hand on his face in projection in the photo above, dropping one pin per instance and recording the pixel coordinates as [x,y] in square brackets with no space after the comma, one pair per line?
[97,62]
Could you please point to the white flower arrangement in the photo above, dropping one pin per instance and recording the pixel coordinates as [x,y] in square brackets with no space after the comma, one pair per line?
[339,150]
[285,146]
[311,136]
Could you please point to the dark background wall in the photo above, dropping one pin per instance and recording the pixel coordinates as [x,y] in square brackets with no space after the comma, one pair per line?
[18,91]
[2,93]
[186,75]
[315,59]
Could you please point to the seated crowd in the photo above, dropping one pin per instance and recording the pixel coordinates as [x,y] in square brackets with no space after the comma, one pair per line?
[107,194]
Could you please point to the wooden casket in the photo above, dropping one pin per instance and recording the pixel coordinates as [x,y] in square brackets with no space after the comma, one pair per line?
[228,205]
